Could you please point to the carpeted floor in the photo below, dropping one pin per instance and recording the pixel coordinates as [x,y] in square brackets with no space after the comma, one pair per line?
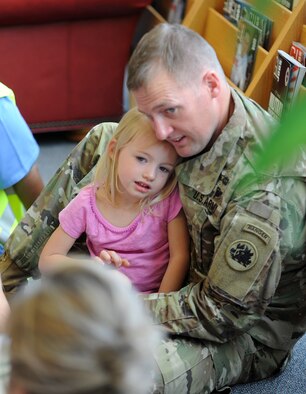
[291,381]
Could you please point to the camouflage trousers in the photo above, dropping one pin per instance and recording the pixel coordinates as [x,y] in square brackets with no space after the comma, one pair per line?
[184,365]
[187,366]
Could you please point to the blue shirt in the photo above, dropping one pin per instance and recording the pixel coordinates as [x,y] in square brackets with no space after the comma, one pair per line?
[18,152]
[18,148]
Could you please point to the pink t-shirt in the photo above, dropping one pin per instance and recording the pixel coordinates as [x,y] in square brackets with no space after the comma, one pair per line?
[144,242]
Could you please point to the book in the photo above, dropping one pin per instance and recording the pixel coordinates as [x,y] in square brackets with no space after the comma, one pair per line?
[287,79]
[176,11]
[290,4]
[234,10]
[245,56]
[229,7]
[298,51]
[263,22]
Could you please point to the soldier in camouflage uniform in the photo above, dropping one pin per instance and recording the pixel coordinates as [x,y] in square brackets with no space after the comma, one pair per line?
[243,307]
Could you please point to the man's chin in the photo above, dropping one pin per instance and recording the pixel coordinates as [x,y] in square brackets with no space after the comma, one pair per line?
[182,149]
[185,151]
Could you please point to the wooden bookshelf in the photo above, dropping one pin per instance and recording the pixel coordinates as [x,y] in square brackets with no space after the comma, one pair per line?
[206,18]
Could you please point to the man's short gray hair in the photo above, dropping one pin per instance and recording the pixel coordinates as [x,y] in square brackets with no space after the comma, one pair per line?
[182,52]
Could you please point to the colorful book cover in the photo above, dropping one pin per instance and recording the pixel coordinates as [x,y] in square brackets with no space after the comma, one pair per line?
[176,11]
[263,22]
[234,10]
[287,79]
[246,50]
[298,51]
[229,9]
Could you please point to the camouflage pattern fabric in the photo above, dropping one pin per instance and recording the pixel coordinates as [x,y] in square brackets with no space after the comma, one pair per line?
[243,306]
[186,365]
[22,249]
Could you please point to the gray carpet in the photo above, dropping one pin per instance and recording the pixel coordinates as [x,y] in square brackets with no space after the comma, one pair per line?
[291,381]
[54,148]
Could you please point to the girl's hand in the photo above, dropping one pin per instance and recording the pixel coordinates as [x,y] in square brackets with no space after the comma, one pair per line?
[111,257]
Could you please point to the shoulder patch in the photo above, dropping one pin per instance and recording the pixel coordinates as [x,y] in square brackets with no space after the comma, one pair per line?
[243,250]
[241,255]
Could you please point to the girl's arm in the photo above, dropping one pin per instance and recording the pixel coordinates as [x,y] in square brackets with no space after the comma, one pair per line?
[56,249]
[179,254]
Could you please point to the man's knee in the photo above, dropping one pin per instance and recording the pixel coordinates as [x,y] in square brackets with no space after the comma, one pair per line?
[184,367]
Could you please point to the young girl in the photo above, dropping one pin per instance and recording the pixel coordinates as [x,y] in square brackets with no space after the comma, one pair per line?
[131,214]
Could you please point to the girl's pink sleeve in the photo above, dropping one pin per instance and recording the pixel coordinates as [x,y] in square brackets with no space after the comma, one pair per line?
[175,204]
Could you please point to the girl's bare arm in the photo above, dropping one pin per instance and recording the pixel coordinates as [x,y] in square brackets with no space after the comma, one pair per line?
[179,254]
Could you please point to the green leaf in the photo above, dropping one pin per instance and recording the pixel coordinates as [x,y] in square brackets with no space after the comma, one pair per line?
[288,136]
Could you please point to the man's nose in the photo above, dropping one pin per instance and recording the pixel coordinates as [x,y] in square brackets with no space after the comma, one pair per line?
[162,129]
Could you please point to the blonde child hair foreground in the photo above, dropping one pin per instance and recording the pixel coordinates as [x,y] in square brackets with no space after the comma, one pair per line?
[132,214]
[81,329]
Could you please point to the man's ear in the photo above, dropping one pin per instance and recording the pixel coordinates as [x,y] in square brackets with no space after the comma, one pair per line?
[111,147]
[212,81]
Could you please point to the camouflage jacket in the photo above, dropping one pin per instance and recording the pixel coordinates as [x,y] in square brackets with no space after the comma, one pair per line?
[248,268]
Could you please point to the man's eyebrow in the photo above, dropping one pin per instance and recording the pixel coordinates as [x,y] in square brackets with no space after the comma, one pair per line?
[159,106]
[164,105]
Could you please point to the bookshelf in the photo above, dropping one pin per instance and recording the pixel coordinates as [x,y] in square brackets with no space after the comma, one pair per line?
[206,18]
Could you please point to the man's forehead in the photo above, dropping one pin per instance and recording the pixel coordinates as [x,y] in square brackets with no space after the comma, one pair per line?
[155,100]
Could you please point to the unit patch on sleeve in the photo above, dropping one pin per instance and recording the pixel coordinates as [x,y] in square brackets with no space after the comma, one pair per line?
[241,255]
[243,250]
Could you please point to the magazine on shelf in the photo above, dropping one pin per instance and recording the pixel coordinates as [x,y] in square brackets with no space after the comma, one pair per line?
[245,56]
[287,79]
[298,51]
[229,9]
[176,11]
[234,10]
[290,4]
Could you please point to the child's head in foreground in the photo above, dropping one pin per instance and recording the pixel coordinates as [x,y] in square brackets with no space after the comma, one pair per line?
[81,329]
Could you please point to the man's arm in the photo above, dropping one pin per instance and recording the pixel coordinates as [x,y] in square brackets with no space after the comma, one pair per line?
[29,187]
[23,248]
[229,300]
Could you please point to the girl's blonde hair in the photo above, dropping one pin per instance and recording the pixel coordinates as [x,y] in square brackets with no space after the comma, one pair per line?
[132,125]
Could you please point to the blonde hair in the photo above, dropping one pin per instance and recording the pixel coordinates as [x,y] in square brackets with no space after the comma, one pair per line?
[132,125]
[81,329]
